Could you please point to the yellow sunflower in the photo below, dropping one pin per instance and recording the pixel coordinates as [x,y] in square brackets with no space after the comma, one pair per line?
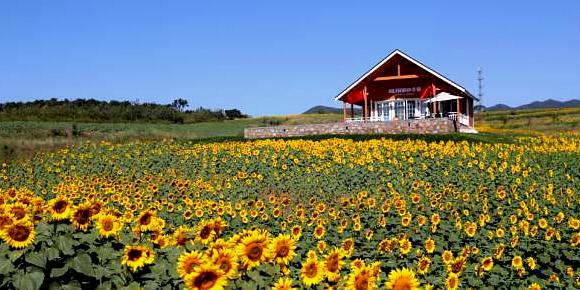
[18,210]
[187,262]
[348,246]
[517,262]
[312,271]
[252,247]
[161,240]
[375,269]
[81,216]
[157,224]
[227,260]
[405,246]
[470,229]
[543,223]
[96,206]
[333,263]
[218,225]
[531,263]
[136,257]
[108,225]
[423,265]
[59,208]
[205,277]
[487,264]
[402,279]
[452,281]
[296,232]
[361,279]
[204,232]
[498,253]
[406,220]
[283,284]
[357,264]
[430,245]
[319,232]
[281,249]
[321,246]
[534,286]
[181,236]
[457,265]
[145,220]
[20,234]
[447,257]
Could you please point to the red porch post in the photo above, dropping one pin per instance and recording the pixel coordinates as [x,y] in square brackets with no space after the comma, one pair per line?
[434,103]
[365,110]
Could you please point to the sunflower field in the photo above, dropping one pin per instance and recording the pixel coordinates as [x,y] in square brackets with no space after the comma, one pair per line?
[294,214]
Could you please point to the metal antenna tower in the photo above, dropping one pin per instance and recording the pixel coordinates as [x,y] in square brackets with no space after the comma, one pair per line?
[480,85]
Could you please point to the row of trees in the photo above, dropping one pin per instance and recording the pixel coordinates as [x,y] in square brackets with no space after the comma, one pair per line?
[91,110]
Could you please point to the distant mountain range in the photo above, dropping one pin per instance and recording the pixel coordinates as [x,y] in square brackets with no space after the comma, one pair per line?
[549,103]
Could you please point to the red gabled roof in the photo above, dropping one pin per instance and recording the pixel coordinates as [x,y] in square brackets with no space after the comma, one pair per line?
[412,60]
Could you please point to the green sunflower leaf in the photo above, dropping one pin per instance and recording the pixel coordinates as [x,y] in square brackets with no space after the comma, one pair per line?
[83,264]
[37,259]
[29,281]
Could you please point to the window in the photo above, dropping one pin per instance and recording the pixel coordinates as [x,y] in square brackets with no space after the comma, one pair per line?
[410,109]
[384,112]
[400,110]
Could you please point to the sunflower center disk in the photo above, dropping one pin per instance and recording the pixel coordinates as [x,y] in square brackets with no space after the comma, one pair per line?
[205,280]
[19,233]
[134,255]
[255,252]
[60,206]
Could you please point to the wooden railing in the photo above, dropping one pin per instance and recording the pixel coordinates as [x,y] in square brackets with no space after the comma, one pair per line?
[366,119]
[463,119]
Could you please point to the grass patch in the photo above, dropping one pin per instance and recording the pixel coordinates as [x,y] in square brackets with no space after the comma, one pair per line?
[534,121]
[23,139]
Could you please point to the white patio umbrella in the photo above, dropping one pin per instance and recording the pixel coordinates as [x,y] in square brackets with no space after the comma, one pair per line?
[440,97]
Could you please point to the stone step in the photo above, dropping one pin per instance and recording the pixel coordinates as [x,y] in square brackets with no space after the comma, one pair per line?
[467,130]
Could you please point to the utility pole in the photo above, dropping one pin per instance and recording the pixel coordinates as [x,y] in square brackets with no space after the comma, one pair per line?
[480,85]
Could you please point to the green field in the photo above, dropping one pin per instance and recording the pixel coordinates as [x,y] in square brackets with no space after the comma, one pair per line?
[23,139]
[536,120]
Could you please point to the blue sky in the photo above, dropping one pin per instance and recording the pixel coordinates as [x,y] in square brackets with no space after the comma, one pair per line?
[274,57]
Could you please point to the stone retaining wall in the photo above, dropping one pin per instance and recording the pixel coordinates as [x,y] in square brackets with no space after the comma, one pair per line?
[422,126]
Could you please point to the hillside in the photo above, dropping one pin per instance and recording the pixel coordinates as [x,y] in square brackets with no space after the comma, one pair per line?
[498,107]
[329,110]
[550,121]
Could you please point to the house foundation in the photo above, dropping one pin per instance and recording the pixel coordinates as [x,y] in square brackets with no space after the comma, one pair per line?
[418,126]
